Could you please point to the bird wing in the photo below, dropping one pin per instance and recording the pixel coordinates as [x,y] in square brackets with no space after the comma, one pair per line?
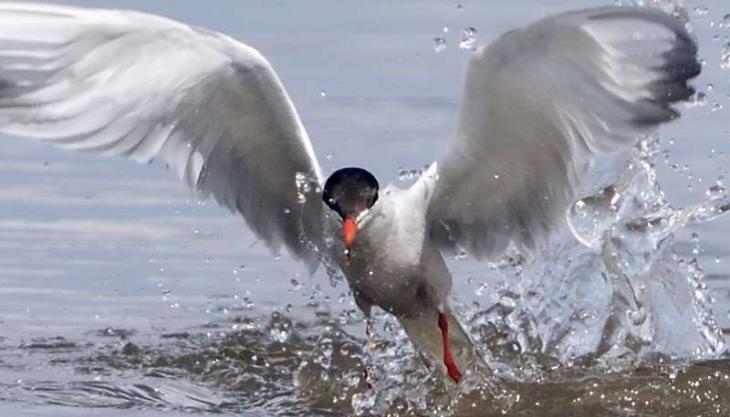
[145,87]
[539,105]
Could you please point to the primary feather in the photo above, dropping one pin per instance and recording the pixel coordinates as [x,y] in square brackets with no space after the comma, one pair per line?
[539,105]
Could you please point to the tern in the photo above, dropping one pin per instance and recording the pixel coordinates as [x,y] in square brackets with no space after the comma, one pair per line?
[539,106]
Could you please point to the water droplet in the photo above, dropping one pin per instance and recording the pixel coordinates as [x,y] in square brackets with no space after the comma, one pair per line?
[468,39]
[508,302]
[482,289]
[362,403]
[710,87]
[408,174]
[330,155]
[304,186]
[247,304]
[725,23]
[591,217]
[280,328]
[697,100]
[715,192]
[461,254]
[700,10]
[439,43]
[460,7]
[725,57]
[323,93]
[445,29]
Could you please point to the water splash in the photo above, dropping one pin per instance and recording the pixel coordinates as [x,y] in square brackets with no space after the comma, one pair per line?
[304,184]
[622,296]
[725,57]
[405,174]
[439,44]
[697,100]
[700,11]
[279,364]
[725,22]
[468,39]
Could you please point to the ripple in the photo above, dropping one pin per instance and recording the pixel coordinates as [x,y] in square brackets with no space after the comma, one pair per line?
[321,369]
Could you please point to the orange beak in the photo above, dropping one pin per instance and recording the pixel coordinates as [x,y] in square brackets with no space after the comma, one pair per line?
[349,230]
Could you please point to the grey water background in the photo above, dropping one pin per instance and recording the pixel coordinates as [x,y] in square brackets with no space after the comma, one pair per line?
[91,246]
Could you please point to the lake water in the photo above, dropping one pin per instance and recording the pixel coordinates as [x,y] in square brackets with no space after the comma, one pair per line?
[122,295]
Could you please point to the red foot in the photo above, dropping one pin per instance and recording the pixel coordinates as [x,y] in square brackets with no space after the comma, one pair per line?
[451,367]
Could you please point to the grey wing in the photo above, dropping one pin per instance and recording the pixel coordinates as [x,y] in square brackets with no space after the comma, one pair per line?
[145,87]
[540,104]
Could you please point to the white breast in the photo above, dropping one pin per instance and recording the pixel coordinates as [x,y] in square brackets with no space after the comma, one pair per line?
[392,264]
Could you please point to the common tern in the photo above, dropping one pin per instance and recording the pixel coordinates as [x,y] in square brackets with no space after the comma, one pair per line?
[540,104]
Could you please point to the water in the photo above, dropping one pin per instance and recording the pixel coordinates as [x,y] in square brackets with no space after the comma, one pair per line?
[121,295]
[237,366]
[468,39]
[439,44]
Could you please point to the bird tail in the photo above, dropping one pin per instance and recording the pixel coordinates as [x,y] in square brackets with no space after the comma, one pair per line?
[426,332]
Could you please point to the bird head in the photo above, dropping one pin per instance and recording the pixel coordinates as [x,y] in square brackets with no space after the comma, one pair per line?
[350,192]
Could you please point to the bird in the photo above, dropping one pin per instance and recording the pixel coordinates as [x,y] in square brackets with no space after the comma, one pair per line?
[540,105]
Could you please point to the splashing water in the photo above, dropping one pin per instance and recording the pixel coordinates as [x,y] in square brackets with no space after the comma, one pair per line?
[305,184]
[278,365]
[725,22]
[725,57]
[439,44]
[468,39]
[620,297]
[405,174]
[619,302]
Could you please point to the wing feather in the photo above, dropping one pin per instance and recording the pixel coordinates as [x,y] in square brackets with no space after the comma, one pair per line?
[145,87]
[540,104]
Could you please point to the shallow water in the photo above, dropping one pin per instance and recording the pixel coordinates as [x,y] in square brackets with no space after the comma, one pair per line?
[122,296]
[250,367]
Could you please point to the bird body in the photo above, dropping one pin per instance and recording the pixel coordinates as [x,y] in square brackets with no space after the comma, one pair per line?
[539,105]
[393,252]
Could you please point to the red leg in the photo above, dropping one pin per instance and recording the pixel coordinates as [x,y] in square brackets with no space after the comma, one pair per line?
[451,367]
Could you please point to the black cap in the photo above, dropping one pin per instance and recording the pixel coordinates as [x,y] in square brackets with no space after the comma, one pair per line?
[349,191]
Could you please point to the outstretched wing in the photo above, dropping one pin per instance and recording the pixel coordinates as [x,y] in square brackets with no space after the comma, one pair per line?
[539,104]
[145,87]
